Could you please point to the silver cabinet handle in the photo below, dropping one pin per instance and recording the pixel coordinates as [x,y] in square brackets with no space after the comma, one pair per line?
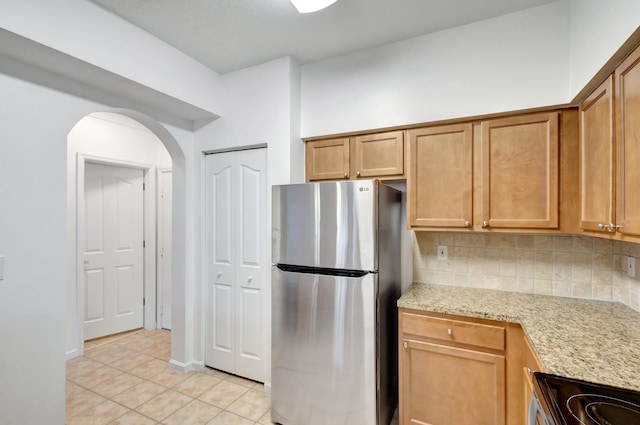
[485,223]
[449,331]
[467,223]
[405,345]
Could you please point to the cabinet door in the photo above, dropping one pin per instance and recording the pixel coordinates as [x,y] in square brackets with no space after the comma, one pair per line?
[531,364]
[379,155]
[596,159]
[440,187]
[327,159]
[628,195]
[519,187]
[446,385]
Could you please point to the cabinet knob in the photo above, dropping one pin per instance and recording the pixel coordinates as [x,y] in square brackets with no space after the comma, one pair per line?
[358,173]
[345,174]
[612,227]
[467,223]
[449,331]
[405,345]
[485,223]
[601,226]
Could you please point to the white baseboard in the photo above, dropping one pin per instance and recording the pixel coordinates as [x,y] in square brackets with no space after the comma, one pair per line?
[72,354]
[267,387]
[198,366]
[192,366]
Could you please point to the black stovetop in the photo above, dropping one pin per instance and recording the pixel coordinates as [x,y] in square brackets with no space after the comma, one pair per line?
[574,402]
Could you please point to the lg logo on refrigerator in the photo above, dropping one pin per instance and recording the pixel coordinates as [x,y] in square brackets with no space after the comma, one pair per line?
[364,189]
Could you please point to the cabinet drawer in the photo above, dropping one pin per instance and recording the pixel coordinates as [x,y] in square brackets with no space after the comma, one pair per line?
[486,336]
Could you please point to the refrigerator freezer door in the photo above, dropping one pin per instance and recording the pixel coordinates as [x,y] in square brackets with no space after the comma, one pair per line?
[323,349]
[331,225]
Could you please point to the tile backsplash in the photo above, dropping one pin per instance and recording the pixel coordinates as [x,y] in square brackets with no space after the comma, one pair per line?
[570,266]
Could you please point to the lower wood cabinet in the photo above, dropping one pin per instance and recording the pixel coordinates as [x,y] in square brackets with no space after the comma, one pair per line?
[531,364]
[450,385]
[463,371]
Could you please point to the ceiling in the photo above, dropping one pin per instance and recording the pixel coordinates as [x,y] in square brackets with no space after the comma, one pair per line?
[227,35]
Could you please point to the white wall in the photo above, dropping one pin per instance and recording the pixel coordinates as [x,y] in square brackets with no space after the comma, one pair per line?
[111,135]
[598,29]
[33,237]
[115,137]
[82,29]
[263,106]
[512,62]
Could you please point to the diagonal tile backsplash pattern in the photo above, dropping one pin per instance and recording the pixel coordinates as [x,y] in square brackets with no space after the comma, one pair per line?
[570,266]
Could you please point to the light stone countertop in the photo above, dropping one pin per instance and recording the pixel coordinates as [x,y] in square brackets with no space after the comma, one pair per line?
[597,341]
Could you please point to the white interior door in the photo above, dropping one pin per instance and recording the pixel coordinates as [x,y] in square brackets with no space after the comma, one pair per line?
[113,249]
[164,248]
[237,262]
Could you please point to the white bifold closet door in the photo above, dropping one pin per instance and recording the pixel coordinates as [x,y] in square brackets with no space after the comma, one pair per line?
[236,263]
[113,249]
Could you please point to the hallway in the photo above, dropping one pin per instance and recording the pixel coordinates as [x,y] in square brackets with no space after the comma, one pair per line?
[125,380]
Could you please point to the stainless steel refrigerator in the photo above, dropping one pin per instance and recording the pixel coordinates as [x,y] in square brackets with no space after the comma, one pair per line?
[335,283]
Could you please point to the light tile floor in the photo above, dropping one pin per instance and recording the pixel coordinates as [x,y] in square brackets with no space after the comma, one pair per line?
[125,380]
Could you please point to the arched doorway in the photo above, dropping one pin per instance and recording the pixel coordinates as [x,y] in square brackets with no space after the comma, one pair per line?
[76,161]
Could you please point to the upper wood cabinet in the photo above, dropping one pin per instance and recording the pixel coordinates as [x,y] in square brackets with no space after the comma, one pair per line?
[513,173]
[327,159]
[628,157]
[519,186]
[597,159]
[379,155]
[610,154]
[440,176]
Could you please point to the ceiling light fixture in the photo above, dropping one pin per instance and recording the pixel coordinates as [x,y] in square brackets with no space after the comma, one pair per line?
[308,6]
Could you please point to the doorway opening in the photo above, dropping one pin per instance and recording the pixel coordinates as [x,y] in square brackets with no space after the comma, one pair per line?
[127,142]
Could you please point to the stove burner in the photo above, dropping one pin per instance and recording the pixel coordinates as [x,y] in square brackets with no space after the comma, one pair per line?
[567,401]
[594,409]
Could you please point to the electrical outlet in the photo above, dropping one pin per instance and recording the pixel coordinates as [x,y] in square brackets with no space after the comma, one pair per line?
[442,252]
[631,267]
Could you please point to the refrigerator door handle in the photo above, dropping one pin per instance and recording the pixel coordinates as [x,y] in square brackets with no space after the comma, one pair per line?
[322,271]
